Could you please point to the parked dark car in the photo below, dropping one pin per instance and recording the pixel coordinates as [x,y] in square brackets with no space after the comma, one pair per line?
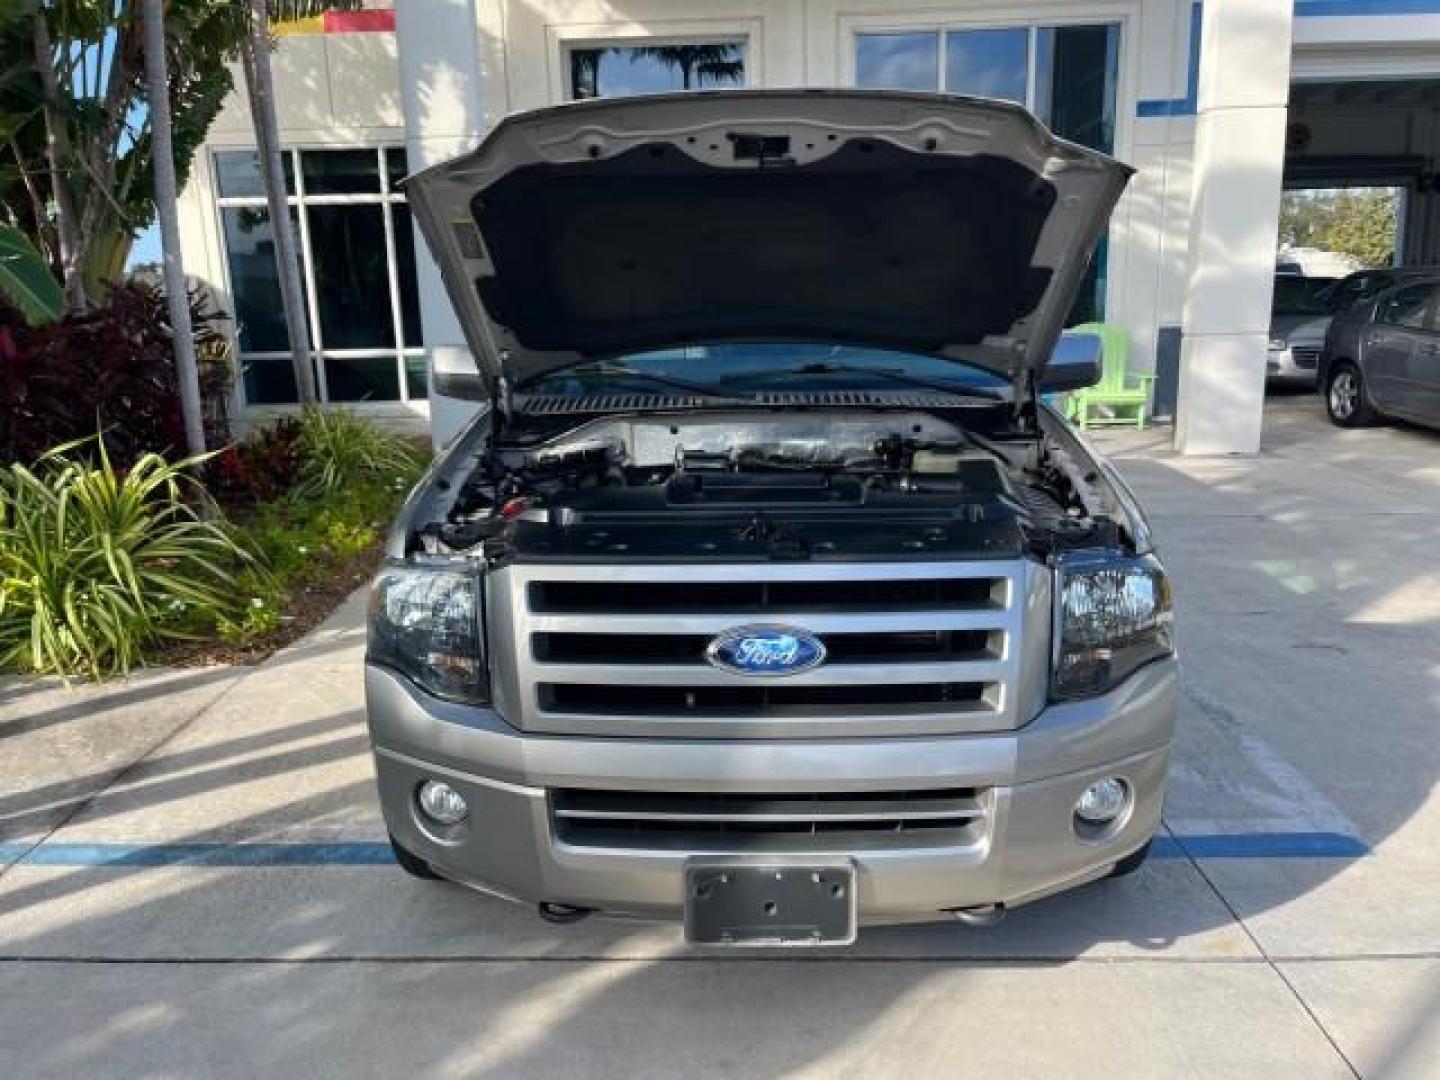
[1365,285]
[1302,310]
[1382,357]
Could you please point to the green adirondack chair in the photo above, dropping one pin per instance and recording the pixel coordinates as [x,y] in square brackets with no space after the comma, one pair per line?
[1119,398]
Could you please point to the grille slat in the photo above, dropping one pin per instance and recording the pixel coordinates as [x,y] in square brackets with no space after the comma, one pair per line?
[731,820]
[903,646]
[879,622]
[831,676]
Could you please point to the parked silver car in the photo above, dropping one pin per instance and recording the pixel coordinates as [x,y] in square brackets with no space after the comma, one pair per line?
[1382,357]
[1299,317]
[764,593]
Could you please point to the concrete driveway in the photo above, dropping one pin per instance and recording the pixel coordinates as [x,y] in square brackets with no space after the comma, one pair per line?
[194,883]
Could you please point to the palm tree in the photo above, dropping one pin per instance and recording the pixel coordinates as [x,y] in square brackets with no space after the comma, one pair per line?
[59,155]
[720,62]
[260,87]
[166,193]
[255,48]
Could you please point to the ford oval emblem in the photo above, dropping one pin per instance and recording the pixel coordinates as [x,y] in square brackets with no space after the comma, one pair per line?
[766,650]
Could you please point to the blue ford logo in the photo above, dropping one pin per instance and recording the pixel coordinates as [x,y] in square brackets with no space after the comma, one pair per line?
[766,650]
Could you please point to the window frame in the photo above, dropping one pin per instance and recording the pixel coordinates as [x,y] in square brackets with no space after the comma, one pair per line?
[387,198]
[1033,19]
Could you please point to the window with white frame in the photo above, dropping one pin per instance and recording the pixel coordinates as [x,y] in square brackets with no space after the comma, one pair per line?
[655,66]
[357,261]
[1065,75]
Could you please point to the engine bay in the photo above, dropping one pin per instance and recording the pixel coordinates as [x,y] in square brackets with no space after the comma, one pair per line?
[737,486]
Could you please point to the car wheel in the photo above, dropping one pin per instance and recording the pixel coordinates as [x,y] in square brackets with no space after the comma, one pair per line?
[1132,862]
[1345,398]
[412,864]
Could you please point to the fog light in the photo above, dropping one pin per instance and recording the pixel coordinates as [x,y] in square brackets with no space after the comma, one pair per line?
[1103,802]
[441,803]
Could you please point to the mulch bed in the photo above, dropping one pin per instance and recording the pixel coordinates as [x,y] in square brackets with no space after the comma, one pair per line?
[306,608]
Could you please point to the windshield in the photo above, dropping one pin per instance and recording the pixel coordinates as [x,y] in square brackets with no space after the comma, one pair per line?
[1297,296]
[737,368]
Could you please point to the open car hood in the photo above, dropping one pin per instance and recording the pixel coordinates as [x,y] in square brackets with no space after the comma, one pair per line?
[953,226]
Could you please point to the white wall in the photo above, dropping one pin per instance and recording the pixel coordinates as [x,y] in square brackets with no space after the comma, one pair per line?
[1149,291]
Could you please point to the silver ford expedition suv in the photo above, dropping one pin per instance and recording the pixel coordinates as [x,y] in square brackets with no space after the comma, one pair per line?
[765,592]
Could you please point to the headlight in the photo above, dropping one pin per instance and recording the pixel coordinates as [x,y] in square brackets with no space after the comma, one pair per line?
[425,623]
[1113,615]
[1278,344]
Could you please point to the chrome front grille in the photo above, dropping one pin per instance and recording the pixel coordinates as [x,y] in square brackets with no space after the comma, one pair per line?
[913,649]
[748,821]
[1306,358]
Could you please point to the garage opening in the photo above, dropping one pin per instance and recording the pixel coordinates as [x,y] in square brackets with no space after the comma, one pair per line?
[1360,201]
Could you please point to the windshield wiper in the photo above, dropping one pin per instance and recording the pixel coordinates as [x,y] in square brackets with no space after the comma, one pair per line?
[658,377]
[830,367]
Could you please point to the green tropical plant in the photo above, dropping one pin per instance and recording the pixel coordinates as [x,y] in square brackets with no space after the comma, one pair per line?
[76,150]
[98,567]
[25,278]
[339,450]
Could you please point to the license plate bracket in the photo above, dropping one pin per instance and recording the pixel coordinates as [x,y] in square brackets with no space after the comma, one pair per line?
[784,904]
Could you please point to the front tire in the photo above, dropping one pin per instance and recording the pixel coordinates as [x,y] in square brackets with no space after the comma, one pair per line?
[1346,401]
[412,864]
[1130,863]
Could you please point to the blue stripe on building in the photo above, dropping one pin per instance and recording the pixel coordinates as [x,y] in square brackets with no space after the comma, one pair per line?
[1304,9]
[1156,107]
[1319,9]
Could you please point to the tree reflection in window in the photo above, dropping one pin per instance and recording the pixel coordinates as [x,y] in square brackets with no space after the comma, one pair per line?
[624,70]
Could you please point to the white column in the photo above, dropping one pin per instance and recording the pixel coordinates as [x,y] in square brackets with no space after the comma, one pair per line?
[1239,162]
[441,95]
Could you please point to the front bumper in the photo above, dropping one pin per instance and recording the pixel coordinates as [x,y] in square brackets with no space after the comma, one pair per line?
[1294,364]
[1029,848]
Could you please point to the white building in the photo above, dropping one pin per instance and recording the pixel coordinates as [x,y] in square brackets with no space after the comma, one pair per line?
[1216,104]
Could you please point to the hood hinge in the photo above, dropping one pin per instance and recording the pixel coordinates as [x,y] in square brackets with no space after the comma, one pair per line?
[502,405]
[1026,406]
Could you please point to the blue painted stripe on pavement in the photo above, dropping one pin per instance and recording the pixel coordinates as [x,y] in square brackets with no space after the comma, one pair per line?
[1274,845]
[201,854]
[1266,845]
